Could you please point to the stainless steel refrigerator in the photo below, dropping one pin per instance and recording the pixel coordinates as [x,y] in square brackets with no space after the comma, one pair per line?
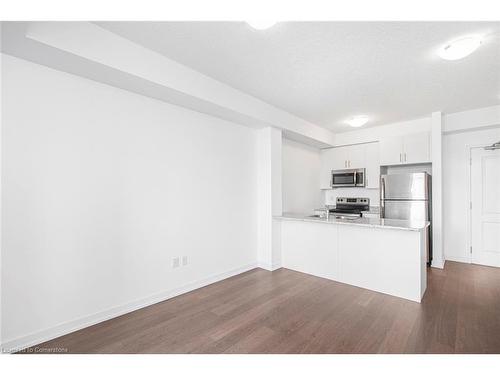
[407,196]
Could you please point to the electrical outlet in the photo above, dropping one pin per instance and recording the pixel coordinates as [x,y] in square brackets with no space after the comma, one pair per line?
[175,262]
[184,260]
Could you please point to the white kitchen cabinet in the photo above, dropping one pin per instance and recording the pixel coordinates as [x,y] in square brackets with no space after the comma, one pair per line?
[350,157]
[417,148]
[391,150]
[356,156]
[372,165]
[341,157]
[408,149]
[327,159]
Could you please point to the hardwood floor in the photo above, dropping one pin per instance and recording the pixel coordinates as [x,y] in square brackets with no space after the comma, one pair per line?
[289,312]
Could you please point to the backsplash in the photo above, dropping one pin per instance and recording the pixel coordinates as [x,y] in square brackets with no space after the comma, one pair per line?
[330,196]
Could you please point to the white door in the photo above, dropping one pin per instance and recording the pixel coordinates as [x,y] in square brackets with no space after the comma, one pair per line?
[485,212]
[391,151]
[417,148]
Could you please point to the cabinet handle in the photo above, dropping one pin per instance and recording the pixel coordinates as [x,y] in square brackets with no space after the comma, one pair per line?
[400,158]
[405,157]
[345,163]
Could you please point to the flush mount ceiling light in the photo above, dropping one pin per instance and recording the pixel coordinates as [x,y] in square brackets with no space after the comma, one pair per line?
[357,121]
[459,48]
[261,24]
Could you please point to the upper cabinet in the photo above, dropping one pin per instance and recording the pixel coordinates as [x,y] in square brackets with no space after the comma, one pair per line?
[417,148]
[328,160]
[407,149]
[372,165]
[356,156]
[351,157]
[348,157]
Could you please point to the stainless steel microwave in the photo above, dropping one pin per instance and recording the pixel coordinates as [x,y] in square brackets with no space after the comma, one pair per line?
[348,178]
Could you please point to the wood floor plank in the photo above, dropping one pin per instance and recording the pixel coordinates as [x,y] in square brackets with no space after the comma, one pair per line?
[289,312]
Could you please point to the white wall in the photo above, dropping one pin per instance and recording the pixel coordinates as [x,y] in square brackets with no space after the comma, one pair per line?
[102,188]
[301,168]
[473,119]
[87,50]
[376,133]
[269,199]
[455,188]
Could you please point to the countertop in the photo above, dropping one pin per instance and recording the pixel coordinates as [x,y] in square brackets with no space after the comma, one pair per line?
[362,221]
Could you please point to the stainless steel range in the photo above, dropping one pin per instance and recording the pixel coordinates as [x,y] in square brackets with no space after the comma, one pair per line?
[350,208]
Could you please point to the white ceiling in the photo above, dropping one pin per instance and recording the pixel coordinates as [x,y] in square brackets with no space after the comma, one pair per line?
[326,72]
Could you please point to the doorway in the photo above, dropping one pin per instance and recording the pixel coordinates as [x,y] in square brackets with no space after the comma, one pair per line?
[485,205]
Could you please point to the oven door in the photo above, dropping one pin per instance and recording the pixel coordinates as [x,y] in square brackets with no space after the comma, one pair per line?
[344,178]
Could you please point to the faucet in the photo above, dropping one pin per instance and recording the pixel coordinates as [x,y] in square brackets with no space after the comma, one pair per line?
[327,212]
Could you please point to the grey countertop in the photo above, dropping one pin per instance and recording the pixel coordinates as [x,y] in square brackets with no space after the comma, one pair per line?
[362,221]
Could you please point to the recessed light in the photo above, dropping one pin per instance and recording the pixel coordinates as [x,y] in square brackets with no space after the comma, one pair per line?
[459,48]
[357,121]
[261,24]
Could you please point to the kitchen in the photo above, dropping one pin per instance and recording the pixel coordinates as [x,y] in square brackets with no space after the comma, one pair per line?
[366,240]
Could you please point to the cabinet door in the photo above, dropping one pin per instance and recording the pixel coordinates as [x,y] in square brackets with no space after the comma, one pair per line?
[372,165]
[391,151]
[341,157]
[327,164]
[356,156]
[416,148]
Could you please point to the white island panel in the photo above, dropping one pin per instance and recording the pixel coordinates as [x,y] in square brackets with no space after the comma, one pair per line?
[390,261]
[310,248]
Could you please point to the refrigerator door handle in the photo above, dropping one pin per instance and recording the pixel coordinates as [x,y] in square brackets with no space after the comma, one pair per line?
[382,197]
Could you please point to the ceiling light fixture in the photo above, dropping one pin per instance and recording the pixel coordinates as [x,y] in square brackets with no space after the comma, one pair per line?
[357,121]
[261,24]
[459,48]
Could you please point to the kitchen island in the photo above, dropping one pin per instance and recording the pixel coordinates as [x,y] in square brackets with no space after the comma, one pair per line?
[384,255]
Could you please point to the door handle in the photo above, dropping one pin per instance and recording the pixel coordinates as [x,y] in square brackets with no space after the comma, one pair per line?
[382,197]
